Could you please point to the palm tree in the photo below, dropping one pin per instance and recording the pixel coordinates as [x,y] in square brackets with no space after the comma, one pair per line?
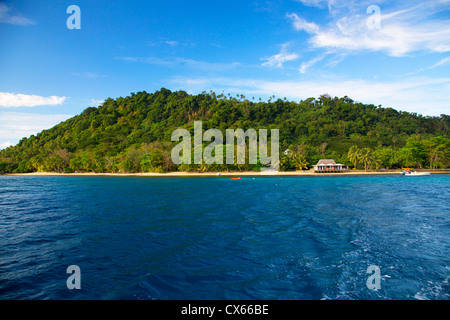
[375,162]
[353,155]
[300,161]
[367,158]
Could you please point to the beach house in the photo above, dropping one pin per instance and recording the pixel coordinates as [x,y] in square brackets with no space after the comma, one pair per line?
[329,165]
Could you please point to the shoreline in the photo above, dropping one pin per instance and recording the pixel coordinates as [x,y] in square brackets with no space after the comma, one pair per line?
[225,174]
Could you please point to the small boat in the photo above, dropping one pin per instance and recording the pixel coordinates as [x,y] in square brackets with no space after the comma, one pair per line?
[415,173]
[235,178]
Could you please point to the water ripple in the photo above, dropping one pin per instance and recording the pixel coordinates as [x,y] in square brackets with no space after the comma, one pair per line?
[212,238]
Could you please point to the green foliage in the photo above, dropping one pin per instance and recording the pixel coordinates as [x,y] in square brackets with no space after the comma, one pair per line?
[132,134]
[294,160]
[388,157]
[353,155]
[438,151]
[4,167]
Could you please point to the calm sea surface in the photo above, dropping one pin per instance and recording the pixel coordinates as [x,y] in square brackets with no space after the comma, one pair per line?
[214,238]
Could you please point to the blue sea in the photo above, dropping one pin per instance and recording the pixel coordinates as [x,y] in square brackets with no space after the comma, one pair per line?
[277,238]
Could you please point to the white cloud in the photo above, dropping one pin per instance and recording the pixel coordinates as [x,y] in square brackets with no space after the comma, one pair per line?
[441,63]
[303,25]
[5,145]
[6,16]
[96,102]
[172,43]
[313,3]
[280,58]
[402,31]
[16,125]
[14,100]
[335,7]
[306,65]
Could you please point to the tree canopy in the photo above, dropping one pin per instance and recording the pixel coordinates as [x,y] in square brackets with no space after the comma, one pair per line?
[133,134]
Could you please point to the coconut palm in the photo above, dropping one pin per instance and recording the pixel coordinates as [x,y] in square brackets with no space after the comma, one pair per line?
[367,158]
[300,161]
[354,155]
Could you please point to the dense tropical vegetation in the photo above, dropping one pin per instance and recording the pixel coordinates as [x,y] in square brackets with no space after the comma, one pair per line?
[133,134]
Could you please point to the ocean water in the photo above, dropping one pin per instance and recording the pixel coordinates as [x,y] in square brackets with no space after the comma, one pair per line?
[289,238]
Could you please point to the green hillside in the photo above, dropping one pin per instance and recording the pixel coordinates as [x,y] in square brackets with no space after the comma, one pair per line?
[132,134]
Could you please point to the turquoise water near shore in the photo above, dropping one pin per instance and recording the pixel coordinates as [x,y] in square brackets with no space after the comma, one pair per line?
[215,238]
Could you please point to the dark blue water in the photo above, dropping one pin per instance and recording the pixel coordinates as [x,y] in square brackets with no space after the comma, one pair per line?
[214,238]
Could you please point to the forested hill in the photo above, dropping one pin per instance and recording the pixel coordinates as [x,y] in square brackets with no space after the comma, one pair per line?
[133,134]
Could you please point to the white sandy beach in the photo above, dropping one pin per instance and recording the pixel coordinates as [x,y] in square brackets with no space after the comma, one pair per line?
[222,174]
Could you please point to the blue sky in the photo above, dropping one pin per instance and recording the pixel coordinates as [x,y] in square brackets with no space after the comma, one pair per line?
[288,48]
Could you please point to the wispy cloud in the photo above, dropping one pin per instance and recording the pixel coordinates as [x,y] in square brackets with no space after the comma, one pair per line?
[177,62]
[129,59]
[8,16]
[5,145]
[334,6]
[277,60]
[314,3]
[265,6]
[441,63]
[163,42]
[172,43]
[96,102]
[204,65]
[88,75]
[306,65]
[15,100]
[303,25]
[16,125]
[403,30]
[217,45]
